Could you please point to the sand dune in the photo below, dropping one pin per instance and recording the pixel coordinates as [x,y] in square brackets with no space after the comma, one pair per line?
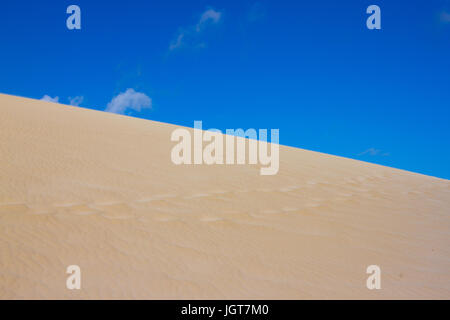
[99,190]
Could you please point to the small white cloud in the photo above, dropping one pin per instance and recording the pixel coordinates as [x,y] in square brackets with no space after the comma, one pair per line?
[189,35]
[370,151]
[129,99]
[209,16]
[177,43]
[50,99]
[373,152]
[76,101]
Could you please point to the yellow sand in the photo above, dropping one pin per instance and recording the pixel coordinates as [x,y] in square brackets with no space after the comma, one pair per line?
[99,190]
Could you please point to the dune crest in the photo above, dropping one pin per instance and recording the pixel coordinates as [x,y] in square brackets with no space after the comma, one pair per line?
[98,190]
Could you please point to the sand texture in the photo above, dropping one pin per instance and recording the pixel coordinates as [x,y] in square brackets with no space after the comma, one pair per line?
[99,190]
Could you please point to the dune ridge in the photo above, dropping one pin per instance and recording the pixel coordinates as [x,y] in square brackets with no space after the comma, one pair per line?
[99,190]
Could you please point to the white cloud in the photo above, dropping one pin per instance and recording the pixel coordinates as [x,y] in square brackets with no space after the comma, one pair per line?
[76,101]
[209,16]
[50,99]
[189,35]
[177,43]
[373,152]
[129,99]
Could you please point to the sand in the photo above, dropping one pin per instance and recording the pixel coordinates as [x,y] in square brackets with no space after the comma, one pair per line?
[98,190]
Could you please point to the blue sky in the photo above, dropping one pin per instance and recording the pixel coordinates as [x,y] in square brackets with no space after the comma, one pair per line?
[310,68]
